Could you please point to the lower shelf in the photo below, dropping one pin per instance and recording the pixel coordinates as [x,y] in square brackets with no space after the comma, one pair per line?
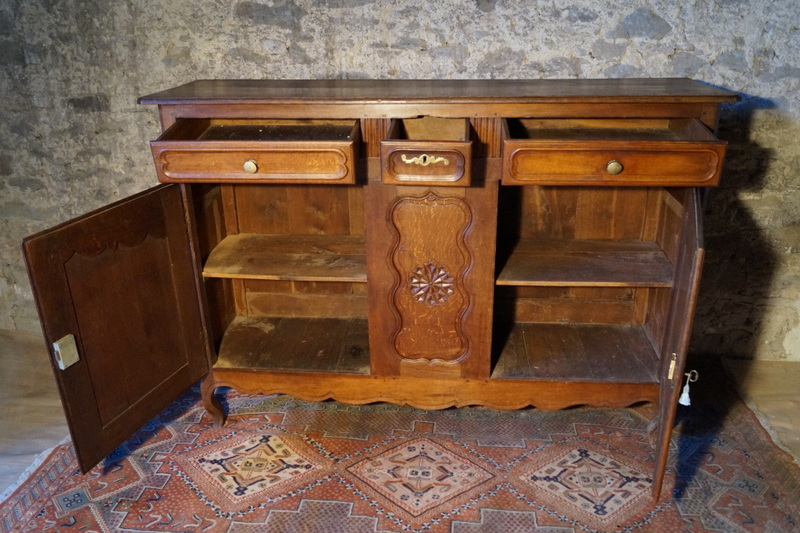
[570,352]
[550,366]
[530,352]
[334,345]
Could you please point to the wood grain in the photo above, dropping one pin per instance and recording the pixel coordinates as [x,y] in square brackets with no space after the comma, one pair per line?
[436,393]
[449,229]
[289,257]
[683,299]
[587,262]
[615,354]
[280,344]
[485,92]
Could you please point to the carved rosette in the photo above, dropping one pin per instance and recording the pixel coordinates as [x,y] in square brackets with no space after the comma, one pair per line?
[431,284]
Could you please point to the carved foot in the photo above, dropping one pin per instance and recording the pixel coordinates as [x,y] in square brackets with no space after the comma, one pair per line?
[211,402]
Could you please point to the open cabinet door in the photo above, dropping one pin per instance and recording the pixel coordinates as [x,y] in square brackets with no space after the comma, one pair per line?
[118,297]
[681,311]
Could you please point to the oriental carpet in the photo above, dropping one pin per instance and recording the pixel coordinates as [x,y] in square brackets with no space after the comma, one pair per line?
[281,465]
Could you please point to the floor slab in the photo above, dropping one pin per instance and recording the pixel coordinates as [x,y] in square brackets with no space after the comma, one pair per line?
[31,418]
[772,390]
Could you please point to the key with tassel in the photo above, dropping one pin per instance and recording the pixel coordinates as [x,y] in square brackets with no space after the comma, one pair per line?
[691,377]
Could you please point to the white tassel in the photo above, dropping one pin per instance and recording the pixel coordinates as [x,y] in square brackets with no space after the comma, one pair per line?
[691,377]
[684,399]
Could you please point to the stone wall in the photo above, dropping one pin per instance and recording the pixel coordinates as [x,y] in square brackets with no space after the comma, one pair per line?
[72,137]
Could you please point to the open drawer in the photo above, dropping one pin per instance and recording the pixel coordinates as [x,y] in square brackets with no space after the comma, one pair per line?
[427,151]
[257,151]
[618,152]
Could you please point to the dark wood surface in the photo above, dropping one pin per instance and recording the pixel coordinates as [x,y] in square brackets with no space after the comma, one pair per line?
[671,90]
[683,300]
[122,281]
[631,129]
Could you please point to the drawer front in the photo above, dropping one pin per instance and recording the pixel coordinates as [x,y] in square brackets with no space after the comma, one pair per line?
[439,163]
[276,162]
[257,151]
[612,163]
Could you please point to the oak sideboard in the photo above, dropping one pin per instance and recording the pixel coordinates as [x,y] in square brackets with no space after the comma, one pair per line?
[506,243]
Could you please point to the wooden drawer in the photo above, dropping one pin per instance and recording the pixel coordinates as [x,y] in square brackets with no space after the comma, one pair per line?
[257,151]
[618,152]
[427,151]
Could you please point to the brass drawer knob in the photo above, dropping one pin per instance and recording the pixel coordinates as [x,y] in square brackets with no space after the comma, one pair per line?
[614,167]
[250,166]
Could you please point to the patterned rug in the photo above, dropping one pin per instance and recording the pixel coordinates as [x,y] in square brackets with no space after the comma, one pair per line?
[281,465]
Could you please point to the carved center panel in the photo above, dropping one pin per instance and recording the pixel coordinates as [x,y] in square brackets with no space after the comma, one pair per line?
[429,297]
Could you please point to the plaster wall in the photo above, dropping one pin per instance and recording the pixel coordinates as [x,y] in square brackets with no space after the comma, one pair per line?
[72,137]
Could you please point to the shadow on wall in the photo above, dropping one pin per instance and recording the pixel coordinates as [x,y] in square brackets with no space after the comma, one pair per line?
[740,263]
[737,274]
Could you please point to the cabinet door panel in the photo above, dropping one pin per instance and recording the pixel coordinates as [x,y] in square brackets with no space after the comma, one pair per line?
[122,281]
[430,263]
[681,312]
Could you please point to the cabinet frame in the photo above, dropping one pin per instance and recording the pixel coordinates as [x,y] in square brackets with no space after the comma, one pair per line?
[202,213]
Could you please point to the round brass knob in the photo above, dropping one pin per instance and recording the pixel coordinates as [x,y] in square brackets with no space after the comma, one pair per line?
[250,166]
[614,167]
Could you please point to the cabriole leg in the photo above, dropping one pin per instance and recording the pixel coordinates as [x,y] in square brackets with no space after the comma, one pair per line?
[211,402]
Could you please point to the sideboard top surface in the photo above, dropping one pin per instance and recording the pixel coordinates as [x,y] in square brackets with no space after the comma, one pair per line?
[637,90]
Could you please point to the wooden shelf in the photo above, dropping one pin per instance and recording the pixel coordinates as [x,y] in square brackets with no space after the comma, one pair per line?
[587,262]
[589,353]
[334,345]
[289,257]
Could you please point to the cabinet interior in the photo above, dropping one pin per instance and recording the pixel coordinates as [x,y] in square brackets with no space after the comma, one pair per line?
[429,128]
[285,274]
[582,282]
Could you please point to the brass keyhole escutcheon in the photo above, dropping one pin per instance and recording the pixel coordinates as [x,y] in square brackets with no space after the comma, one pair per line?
[425,160]
[614,167]
[250,166]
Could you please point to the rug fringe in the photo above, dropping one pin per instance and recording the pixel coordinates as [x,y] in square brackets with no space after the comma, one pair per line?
[29,471]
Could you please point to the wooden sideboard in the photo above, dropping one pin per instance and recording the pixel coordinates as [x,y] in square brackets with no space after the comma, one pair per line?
[433,243]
